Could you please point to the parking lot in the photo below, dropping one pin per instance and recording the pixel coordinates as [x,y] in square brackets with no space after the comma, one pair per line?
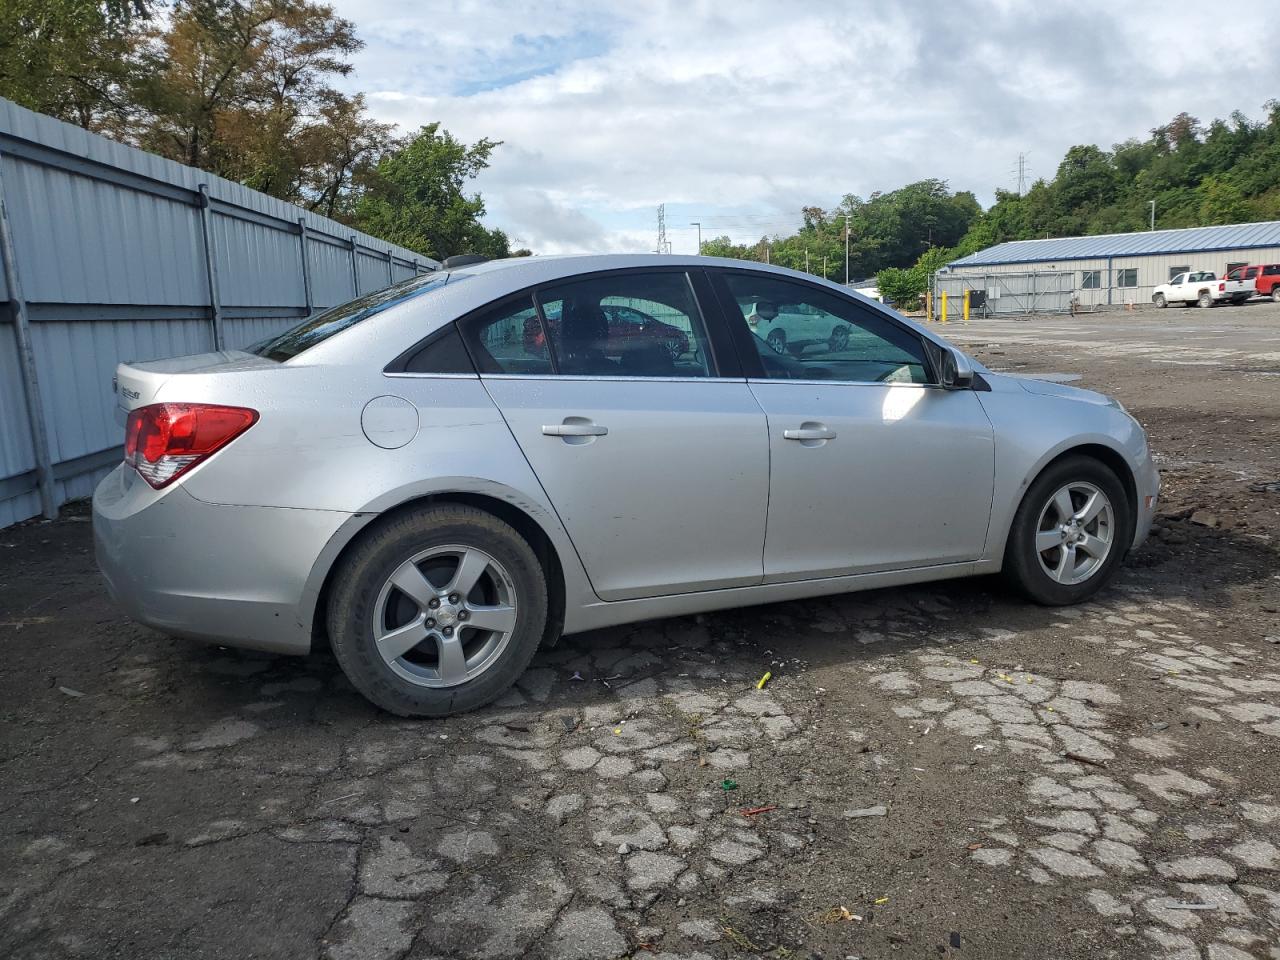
[939,771]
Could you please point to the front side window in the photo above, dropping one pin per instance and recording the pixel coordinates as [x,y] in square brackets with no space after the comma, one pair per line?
[1090,279]
[805,333]
[1251,273]
[1128,277]
[625,325]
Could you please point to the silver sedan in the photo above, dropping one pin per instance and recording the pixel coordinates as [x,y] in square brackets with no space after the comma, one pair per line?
[440,477]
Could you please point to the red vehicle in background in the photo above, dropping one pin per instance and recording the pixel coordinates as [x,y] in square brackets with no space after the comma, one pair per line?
[1265,277]
[629,329]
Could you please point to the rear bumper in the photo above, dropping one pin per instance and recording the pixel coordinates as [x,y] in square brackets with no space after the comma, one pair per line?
[232,575]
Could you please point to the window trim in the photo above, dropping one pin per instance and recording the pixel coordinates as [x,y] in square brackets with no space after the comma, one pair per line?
[753,368]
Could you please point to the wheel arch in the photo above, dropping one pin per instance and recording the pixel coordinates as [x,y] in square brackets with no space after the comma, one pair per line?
[1109,457]
[543,544]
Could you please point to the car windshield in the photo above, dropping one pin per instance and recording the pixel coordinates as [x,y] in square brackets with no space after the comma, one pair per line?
[322,326]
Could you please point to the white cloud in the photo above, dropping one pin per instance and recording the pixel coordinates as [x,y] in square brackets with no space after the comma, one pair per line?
[739,115]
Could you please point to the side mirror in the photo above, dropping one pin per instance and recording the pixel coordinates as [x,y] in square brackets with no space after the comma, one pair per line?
[955,372]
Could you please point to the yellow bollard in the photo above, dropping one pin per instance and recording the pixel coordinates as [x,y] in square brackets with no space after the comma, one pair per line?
[943,317]
[966,306]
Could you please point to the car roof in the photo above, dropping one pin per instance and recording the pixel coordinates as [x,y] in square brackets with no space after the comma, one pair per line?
[472,286]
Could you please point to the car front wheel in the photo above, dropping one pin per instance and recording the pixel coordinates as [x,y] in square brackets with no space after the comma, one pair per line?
[1275,293]
[1160,301]
[777,341]
[1069,534]
[437,611]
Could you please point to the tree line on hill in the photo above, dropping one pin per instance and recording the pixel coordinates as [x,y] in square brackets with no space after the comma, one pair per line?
[245,89]
[1226,172]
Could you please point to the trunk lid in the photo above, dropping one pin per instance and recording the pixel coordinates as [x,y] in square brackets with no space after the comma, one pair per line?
[138,383]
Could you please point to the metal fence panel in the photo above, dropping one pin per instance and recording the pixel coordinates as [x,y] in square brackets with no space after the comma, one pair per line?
[372,271]
[242,332]
[265,261]
[108,244]
[331,281]
[86,241]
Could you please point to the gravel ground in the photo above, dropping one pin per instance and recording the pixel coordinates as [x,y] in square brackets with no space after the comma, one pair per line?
[941,771]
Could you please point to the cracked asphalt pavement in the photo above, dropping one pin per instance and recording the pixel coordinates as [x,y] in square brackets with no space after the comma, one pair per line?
[940,771]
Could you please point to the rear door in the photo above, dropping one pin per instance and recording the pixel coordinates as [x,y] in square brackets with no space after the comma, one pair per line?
[873,467]
[658,466]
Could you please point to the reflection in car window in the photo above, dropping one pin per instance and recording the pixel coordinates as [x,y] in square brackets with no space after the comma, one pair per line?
[803,333]
[322,326]
[509,339]
[626,325]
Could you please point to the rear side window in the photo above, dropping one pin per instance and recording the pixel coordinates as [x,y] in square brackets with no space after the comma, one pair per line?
[331,322]
[509,338]
[1272,270]
[626,325]
[443,354]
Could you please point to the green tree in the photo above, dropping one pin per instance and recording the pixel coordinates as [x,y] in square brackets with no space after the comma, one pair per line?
[416,197]
[70,59]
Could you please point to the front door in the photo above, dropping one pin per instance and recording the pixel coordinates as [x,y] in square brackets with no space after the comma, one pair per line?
[658,469]
[873,467]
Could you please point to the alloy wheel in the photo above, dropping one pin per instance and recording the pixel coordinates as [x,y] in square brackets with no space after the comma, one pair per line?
[445,615]
[1076,533]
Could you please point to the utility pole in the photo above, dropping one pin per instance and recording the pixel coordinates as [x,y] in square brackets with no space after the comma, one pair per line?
[1153,213]
[846,249]
[1022,174]
[806,259]
[699,226]
[824,266]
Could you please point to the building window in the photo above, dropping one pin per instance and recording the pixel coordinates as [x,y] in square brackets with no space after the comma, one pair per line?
[1128,277]
[1174,271]
[1090,279]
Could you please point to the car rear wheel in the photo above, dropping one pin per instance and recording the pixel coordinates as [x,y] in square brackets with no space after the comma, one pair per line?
[839,340]
[1205,301]
[1275,293]
[437,611]
[777,341]
[1160,301]
[1069,534]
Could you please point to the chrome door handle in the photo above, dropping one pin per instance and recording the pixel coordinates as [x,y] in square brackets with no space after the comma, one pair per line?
[574,430]
[809,433]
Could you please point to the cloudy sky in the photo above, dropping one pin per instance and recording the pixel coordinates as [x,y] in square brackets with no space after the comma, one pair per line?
[737,114]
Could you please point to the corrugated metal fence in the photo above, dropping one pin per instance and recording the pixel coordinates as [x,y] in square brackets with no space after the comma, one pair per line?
[111,254]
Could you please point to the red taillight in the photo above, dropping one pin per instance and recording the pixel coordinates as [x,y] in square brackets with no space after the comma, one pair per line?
[164,440]
[1221,287]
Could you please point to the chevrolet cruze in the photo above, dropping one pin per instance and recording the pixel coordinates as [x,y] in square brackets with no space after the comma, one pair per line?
[414,479]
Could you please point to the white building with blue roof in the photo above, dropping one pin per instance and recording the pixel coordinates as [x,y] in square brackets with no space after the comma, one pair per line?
[1119,269]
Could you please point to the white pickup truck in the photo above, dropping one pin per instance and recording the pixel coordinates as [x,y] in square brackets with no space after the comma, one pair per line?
[1201,287]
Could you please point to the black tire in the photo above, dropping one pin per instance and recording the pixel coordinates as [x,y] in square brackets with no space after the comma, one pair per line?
[839,339]
[1275,293]
[1021,561]
[1205,301]
[1160,301]
[365,569]
[777,340]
